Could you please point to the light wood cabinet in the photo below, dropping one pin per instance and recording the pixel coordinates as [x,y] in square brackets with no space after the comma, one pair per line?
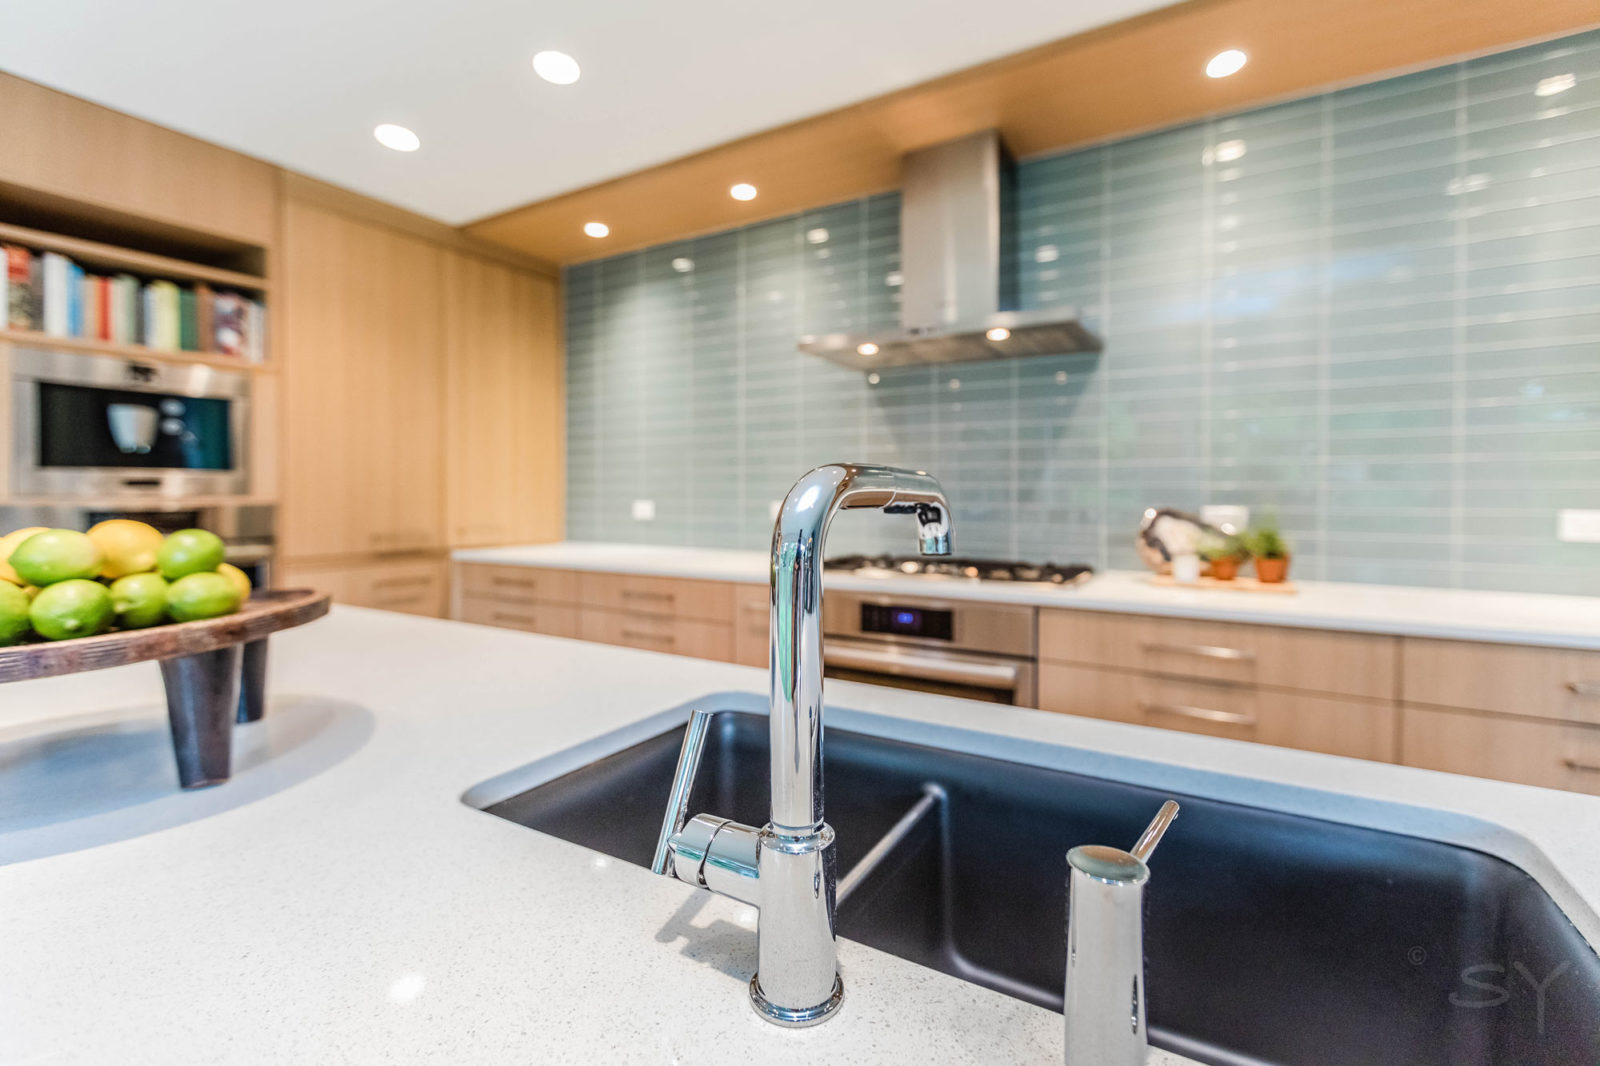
[1536,682]
[364,371]
[1362,729]
[752,613]
[551,619]
[1529,751]
[411,586]
[677,636]
[1313,660]
[517,584]
[111,164]
[659,596]
[505,435]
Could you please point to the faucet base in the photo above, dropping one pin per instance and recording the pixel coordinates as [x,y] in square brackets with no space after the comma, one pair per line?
[796,1019]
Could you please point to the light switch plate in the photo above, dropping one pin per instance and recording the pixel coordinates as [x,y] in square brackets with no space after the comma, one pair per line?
[1578,527]
[644,510]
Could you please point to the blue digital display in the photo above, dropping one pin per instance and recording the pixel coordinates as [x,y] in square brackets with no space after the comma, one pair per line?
[906,618]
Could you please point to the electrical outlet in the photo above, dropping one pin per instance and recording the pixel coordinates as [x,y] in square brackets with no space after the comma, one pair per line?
[1578,527]
[644,510]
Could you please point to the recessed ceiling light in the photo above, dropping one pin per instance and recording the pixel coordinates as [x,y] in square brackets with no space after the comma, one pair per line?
[998,333]
[743,191]
[867,348]
[1224,63]
[397,137]
[558,68]
[597,229]
[1556,83]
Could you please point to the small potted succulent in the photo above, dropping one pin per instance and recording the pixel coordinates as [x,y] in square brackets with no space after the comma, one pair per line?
[1223,553]
[1270,552]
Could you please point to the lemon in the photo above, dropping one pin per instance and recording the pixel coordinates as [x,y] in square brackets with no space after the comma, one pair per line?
[240,580]
[71,608]
[140,600]
[14,624]
[55,555]
[10,543]
[129,547]
[203,595]
[189,551]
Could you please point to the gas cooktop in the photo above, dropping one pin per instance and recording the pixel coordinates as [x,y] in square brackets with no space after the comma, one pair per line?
[972,569]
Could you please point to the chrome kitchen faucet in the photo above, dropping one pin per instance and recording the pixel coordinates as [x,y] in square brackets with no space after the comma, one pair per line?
[787,867]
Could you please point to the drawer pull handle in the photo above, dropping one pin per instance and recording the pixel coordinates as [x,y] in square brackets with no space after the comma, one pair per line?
[1204,651]
[1585,767]
[640,594]
[752,608]
[1587,689]
[515,619]
[401,582]
[654,638]
[1205,714]
[514,582]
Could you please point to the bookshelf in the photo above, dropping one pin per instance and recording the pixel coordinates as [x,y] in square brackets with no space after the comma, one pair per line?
[144,353]
[112,257]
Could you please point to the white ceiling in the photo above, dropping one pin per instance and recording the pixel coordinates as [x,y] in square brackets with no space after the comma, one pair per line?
[303,82]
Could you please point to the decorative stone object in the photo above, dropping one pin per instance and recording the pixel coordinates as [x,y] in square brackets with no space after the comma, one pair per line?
[1166,533]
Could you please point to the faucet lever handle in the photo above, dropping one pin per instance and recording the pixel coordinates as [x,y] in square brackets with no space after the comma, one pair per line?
[694,743]
[1152,833]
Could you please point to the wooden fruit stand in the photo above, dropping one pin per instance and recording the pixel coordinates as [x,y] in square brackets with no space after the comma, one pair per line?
[214,671]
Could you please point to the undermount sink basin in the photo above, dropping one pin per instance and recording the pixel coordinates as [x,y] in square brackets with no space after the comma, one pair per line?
[1270,937]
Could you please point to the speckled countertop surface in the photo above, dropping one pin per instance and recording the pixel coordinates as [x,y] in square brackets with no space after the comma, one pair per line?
[337,902]
[1455,614]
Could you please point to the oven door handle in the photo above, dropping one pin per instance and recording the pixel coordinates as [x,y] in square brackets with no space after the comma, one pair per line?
[983,674]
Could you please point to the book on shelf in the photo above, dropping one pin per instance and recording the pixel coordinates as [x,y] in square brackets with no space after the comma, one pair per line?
[22,283]
[47,292]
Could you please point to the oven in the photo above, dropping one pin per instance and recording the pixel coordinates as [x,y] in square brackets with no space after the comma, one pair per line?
[952,647]
[87,426]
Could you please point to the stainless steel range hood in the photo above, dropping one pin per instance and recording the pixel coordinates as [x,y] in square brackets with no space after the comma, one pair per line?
[953,241]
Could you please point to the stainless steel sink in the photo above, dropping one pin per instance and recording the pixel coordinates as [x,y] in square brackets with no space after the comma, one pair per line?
[1271,937]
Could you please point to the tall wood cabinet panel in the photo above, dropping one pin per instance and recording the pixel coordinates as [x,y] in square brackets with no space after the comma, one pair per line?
[363,324]
[504,411]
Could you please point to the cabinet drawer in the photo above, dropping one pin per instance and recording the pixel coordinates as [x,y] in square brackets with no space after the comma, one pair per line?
[709,601]
[1314,660]
[1356,728]
[751,613]
[521,584]
[551,619]
[1542,682]
[408,587]
[1551,754]
[677,636]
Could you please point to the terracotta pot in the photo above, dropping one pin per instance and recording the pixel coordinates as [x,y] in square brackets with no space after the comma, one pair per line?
[1225,569]
[1272,571]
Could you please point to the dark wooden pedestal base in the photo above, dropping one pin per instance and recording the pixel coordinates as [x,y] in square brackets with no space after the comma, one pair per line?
[253,682]
[202,700]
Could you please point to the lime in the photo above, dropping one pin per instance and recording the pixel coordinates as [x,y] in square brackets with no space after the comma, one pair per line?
[55,555]
[240,580]
[10,543]
[73,608]
[129,547]
[189,551]
[198,596]
[140,600]
[14,622]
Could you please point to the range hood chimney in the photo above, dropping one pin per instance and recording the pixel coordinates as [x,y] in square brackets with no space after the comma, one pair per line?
[953,221]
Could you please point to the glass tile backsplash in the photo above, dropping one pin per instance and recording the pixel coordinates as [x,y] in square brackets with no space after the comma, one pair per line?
[1375,312]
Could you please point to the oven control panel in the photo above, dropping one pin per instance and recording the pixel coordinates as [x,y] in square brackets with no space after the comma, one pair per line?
[903,621]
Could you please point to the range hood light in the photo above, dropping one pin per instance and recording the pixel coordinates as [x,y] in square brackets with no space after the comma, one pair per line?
[867,348]
[999,333]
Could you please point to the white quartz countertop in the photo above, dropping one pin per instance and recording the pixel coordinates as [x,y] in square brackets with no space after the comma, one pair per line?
[337,902]
[1455,614]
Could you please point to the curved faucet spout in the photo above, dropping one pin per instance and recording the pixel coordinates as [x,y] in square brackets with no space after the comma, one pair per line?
[796,612]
